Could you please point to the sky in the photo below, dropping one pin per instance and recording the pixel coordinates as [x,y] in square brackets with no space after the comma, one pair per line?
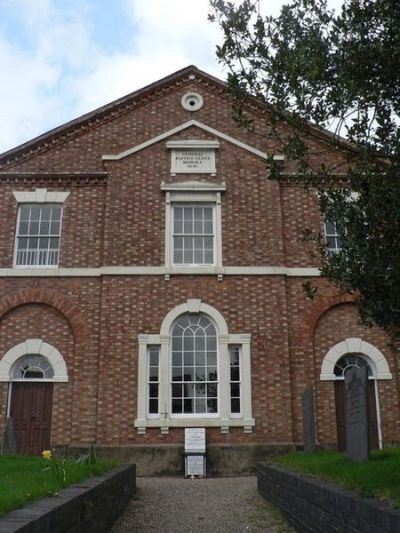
[60,59]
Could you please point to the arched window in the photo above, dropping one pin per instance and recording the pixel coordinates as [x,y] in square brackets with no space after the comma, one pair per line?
[194,373]
[349,361]
[32,367]
[194,369]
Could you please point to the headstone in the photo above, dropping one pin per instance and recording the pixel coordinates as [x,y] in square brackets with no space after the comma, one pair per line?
[309,420]
[9,446]
[356,414]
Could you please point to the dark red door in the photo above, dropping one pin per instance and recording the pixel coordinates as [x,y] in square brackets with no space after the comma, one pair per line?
[31,408]
[340,420]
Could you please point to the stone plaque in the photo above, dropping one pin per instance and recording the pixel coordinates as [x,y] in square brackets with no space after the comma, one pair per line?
[8,445]
[309,420]
[356,414]
[195,465]
[195,440]
[193,161]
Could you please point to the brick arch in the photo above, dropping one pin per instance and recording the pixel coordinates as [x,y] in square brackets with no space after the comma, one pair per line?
[323,305]
[52,298]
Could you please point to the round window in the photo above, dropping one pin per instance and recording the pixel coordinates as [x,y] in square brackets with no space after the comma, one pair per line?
[192,101]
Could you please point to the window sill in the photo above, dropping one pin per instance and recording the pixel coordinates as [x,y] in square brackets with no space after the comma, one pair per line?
[165,424]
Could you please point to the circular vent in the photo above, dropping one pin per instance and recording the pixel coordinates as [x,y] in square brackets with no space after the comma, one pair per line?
[192,101]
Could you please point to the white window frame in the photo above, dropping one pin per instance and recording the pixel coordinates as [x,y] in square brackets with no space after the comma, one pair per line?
[191,193]
[224,418]
[336,235]
[41,197]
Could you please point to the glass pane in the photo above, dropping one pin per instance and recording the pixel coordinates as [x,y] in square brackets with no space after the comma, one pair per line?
[208,257]
[235,390]
[200,405]
[212,405]
[188,390]
[176,391]
[235,373]
[208,227]
[54,241]
[35,213]
[200,373]
[33,374]
[153,406]
[56,213]
[178,257]
[153,373]
[44,227]
[189,373]
[211,343]
[153,357]
[211,390]
[188,358]
[24,212]
[198,257]
[177,342]
[22,243]
[330,227]
[177,374]
[200,358]
[188,341]
[46,212]
[188,256]
[201,389]
[177,406]
[23,228]
[177,358]
[235,405]
[178,228]
[188,405]
[55,228]
[212,358]
[178,213]
[153,390]
[33,228]
[208,243]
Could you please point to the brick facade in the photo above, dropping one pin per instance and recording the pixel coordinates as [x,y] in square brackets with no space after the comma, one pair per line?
[92,310]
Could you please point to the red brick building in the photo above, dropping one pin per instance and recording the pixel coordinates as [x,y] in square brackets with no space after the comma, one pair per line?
[151,280]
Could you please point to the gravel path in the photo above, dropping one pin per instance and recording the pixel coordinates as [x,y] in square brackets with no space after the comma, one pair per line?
[215,505]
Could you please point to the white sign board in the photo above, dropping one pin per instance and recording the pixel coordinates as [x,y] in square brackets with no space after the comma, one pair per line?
[195,440]
[190,161]
[195,465]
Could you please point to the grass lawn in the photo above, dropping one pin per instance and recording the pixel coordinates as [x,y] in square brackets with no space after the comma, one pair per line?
[379,477]
[24,479]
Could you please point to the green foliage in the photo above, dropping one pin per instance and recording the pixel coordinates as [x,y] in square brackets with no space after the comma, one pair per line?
[315,68]
[23,479]
[379,477]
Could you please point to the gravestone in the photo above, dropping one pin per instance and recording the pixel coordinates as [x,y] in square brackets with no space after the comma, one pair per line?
[356,414]
[9,446]
[195,449]
[309,420]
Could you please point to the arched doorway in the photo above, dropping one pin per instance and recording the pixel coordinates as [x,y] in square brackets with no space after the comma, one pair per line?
[31,403]
[342,366]
[32,367]
[350,352]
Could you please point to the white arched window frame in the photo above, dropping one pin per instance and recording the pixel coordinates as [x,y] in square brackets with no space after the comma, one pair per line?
[355,345]
[225,418]
[31,347]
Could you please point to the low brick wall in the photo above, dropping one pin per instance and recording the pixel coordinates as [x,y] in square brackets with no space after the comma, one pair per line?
[312,505]
[91,506]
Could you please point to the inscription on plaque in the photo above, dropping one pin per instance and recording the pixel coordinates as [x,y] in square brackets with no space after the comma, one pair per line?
[195,465]
[356,414]
[193,161]
[195,440]
[309,420]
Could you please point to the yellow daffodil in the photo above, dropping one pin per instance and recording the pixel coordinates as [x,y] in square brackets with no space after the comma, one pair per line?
[46,454]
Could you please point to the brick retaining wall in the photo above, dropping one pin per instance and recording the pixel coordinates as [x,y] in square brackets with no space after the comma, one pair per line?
[313,505]
[91,506]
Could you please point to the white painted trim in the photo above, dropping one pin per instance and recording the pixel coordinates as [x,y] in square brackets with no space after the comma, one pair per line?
[41,196]
[188,307]
[182,127]
[375,358]
[194,422]
[193,186]
[18,272]
[39,347]
[193,144]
